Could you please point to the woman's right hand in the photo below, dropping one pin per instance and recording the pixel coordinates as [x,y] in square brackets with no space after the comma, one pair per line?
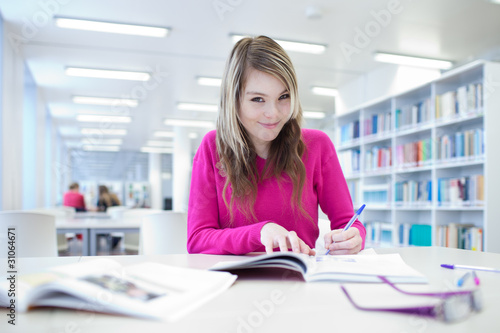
[273,235]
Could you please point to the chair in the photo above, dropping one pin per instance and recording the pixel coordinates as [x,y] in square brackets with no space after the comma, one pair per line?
[35,233]
[164,233]
[59,212]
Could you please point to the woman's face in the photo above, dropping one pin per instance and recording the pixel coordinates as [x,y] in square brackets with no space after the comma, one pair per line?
[264,109]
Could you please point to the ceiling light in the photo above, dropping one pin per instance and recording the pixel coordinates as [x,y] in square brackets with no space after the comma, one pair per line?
[105,101]
[107,74]
[291,46]
[100,148]
[99,131]
[98,141]
[152,143]
[323,91]
[193,135]
[412,61]
[104,119]
[157,150]
[209,81]
[164,134]
[497,2]
[189,123]
[314,115]
[197,107]
[117,28]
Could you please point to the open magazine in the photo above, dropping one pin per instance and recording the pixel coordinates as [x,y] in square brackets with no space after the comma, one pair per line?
[148,290]
[347,268]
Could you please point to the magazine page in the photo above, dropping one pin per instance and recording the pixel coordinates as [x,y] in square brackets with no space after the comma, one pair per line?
[148,290]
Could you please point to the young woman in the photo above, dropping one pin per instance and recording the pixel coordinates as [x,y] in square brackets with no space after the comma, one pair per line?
[258,179]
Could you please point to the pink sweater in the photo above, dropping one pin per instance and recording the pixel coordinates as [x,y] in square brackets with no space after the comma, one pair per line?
[209,230]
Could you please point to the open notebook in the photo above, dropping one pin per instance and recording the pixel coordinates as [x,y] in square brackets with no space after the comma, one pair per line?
[349,268]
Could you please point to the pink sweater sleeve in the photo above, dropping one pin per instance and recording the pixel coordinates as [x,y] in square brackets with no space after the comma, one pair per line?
[205,234]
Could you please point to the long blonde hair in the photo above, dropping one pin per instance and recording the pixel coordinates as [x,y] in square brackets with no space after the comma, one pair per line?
[236,152]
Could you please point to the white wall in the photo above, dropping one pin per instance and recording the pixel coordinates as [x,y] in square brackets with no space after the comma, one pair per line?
[384,81]
[12,107]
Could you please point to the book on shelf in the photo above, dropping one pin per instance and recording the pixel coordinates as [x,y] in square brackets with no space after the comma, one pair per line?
[148,290]
[413,154]
[348,268]
[460,236]
[349,160]
[377,123]
[378,233]
[412,115]
[349,132]
[466,100]
[463,191]
[413,193]
[415,234]
[465,144]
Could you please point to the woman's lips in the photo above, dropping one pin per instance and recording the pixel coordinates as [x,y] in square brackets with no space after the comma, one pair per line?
[269,126]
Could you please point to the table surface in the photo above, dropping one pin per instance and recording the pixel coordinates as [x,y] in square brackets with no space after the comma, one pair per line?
[98,223]
[306,307]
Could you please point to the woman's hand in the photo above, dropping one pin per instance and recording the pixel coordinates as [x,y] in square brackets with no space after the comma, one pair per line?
[273,235]
[343,242]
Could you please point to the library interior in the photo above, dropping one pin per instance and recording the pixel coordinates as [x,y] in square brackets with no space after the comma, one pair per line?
[107,115]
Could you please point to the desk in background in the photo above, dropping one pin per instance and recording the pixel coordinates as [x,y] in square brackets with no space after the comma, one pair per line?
[90,227]
[303,307]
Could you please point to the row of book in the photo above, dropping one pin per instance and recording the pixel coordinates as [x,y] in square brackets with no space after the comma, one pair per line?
[463,191]
[412,115]
[464,101]
[414,154]
[461,144]
[378,158]
[460,236]
[348,132]
[377,123]
[413,193]
[453,235]
[349,161]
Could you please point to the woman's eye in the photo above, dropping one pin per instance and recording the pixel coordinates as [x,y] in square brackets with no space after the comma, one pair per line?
[284,96]
[257,99]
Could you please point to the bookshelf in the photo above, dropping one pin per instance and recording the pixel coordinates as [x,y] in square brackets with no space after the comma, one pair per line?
[426,161]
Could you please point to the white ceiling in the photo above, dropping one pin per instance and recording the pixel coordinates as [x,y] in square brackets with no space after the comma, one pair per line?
[458,30]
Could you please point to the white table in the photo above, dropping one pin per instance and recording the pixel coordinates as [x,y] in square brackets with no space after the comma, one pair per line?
[307,307]
[90,227]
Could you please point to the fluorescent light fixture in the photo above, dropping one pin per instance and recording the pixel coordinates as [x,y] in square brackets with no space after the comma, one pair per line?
[100,148]
[314,115]
[107,74]
[291,46]
[412,61]
[497,2]
[197,107]
[99,131]
[105,119]
[324,91]
[189,123]
[163,134]
[209,81]
[193,135]
[152,143]
[98,141]
[157,150]
[116,28]
[105,101]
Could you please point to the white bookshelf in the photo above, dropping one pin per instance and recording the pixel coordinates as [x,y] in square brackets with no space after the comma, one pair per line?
[475,130]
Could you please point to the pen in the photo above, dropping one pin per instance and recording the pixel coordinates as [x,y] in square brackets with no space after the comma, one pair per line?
[351,221]
[474,268]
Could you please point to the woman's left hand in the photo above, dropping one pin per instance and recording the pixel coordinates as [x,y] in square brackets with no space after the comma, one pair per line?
[343,242]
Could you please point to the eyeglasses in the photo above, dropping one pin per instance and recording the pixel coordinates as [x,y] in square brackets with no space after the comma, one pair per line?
[453,306]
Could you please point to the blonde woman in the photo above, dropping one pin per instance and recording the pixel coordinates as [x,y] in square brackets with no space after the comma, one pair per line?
[258,178]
